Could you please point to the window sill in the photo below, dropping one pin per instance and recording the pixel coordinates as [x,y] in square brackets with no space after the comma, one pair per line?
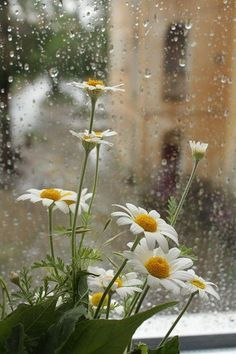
[197,331]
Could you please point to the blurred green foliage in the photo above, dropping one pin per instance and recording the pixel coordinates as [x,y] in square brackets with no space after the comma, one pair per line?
[57,41]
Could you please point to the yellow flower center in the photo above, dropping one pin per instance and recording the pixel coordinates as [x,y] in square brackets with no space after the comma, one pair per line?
[147,222]
[96,298]
[94,82]
[68,202]
[52,194]
[119,282]
[158,267]
[198,283]
[98,134]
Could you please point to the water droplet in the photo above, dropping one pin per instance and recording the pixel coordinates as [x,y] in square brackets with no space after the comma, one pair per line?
[11,54]
[10,79]
[182,62]
[53,72]
[147,74]
[26,67]
[188,24]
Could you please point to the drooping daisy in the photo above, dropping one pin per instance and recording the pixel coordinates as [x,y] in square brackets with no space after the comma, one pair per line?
[95,88]
[150,223]
[166,269]
[70,197]
[96,137]
[198,149]
[125,285]
[202,286]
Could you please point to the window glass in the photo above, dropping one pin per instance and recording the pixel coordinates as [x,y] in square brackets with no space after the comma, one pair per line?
[177,62]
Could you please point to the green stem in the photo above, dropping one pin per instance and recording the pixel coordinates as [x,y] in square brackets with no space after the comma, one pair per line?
[70,219]
[4,285]
[73,231]
[135,300]
[50,230]
[108,305]
[185,193]
[93,103]
[107,290]
[50,234]
[3,303]
[144,293]
[178,318]
[92,198]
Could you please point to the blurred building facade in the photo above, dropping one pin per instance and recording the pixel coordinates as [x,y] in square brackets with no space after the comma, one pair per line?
[177,59]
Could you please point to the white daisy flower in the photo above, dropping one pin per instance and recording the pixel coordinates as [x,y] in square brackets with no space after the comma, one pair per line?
[95,88]
[58,198]
[70,197]
[150,223]
[202,286]
[124,286]
[95,137]
[115,308]
[198,149]
[95,298]
[166,269]
[48,197]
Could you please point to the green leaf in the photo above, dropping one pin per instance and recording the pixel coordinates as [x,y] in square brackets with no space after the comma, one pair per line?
[141,348]
[187,252]
[107,336]
[172,206]
[107,224]
[61,230]
[35,319]
[15,342]
[59,333]
[110,240]
[170,347]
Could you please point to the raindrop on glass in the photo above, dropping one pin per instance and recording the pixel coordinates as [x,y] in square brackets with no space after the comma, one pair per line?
[53,72]
[147,73]
[182,62]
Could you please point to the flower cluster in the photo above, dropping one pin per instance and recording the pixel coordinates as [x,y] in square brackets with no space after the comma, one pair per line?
[153,259]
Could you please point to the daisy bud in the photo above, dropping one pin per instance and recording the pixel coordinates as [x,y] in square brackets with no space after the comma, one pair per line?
[198,149]
[14,278]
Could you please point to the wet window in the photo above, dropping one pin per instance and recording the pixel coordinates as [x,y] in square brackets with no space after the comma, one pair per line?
[177,62]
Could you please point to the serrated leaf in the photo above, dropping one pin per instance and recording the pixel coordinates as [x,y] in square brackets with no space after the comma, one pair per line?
[187,252]
[171,208]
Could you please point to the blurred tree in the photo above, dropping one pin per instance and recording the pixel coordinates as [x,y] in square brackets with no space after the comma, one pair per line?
[44,38]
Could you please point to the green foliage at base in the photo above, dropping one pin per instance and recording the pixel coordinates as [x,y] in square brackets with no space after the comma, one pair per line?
[64,330]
